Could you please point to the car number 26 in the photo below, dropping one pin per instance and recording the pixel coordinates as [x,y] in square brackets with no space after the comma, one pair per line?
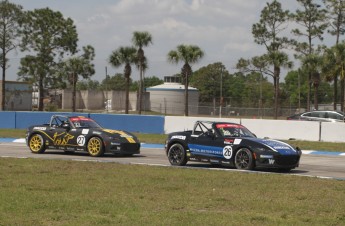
[227,152]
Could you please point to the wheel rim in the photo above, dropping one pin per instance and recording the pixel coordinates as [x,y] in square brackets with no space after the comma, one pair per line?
[175,155]
[94,146]
[36,143]
[242,159]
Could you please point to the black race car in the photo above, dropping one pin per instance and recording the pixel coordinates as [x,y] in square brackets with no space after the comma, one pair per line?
[78,133]
[229,144]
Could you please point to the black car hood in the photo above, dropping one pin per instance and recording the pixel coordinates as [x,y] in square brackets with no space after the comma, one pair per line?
[275,145]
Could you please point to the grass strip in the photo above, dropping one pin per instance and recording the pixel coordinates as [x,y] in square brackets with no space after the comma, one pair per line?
[56,192]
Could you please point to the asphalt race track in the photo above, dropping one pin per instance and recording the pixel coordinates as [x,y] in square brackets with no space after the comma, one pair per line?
[324,166]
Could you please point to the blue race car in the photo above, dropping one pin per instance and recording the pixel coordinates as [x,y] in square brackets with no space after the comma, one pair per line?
[229,144]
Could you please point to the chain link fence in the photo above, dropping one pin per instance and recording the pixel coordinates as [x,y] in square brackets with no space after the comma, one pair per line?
[245,112]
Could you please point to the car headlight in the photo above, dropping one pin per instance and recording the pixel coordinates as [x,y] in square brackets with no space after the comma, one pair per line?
[263,149]
[114,138]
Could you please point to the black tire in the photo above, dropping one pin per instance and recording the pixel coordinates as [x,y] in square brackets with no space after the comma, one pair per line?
[244,159]
[177,155]
[95,147]
[36,144]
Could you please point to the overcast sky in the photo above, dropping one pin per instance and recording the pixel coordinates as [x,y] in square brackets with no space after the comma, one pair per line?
[222,28]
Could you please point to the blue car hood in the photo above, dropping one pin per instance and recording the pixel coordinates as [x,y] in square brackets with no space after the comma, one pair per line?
[278,146]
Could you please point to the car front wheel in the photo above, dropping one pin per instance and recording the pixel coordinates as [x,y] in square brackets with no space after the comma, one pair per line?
[36,144]
[244,159]
[177,155]
[95,147]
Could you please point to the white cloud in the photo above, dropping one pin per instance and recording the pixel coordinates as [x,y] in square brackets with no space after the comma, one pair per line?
[221,28]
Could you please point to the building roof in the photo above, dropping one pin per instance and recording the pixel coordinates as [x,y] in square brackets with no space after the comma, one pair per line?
[168,86]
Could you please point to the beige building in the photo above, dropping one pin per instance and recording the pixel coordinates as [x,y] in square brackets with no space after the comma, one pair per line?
[102,100]
[18,96]
[168,98]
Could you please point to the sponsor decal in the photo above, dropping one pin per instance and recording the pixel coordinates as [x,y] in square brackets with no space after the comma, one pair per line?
[279,146]
[80,118]
[208,150]
[112,143]
[178,137]
[81,140]
[271,161]
[228,141]
[237,141]
[228,126]
[227,152]
[62,138]
[97,132]
[85,131]
[40,128]
[266,156]
[214,161]
[225,162]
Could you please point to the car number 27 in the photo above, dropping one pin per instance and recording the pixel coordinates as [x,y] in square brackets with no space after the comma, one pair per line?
[81,140]
[227,152]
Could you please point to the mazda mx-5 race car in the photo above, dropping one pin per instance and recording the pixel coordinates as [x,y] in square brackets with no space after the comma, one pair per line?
[229,144]
[78,133]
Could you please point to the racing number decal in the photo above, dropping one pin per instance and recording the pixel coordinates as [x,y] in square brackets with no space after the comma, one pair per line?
[227,152]
[81,140]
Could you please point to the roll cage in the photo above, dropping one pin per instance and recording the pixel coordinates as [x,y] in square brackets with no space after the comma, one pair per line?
[60,121]
[208,128]
[205,128]
[64,121]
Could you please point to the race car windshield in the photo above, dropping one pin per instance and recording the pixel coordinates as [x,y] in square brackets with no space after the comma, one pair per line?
[233,130]
[87,123]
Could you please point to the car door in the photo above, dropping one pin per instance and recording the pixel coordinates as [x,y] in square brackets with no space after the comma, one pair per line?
[80,136]
[58,137]
[207,145]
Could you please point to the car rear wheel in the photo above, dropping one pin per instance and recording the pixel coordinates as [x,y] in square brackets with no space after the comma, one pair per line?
[244,159]
[95,147]
[36,144]
[177,155]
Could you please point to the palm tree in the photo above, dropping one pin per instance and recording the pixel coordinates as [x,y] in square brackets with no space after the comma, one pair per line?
[140,40]
[279,60]
[126,56]
[333,64]
[78,65]
[188,54]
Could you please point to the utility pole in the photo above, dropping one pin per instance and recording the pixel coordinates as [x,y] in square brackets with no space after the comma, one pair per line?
[221,93]
[106,89]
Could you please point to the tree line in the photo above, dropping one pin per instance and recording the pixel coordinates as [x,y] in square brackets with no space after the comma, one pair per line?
[55,61]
